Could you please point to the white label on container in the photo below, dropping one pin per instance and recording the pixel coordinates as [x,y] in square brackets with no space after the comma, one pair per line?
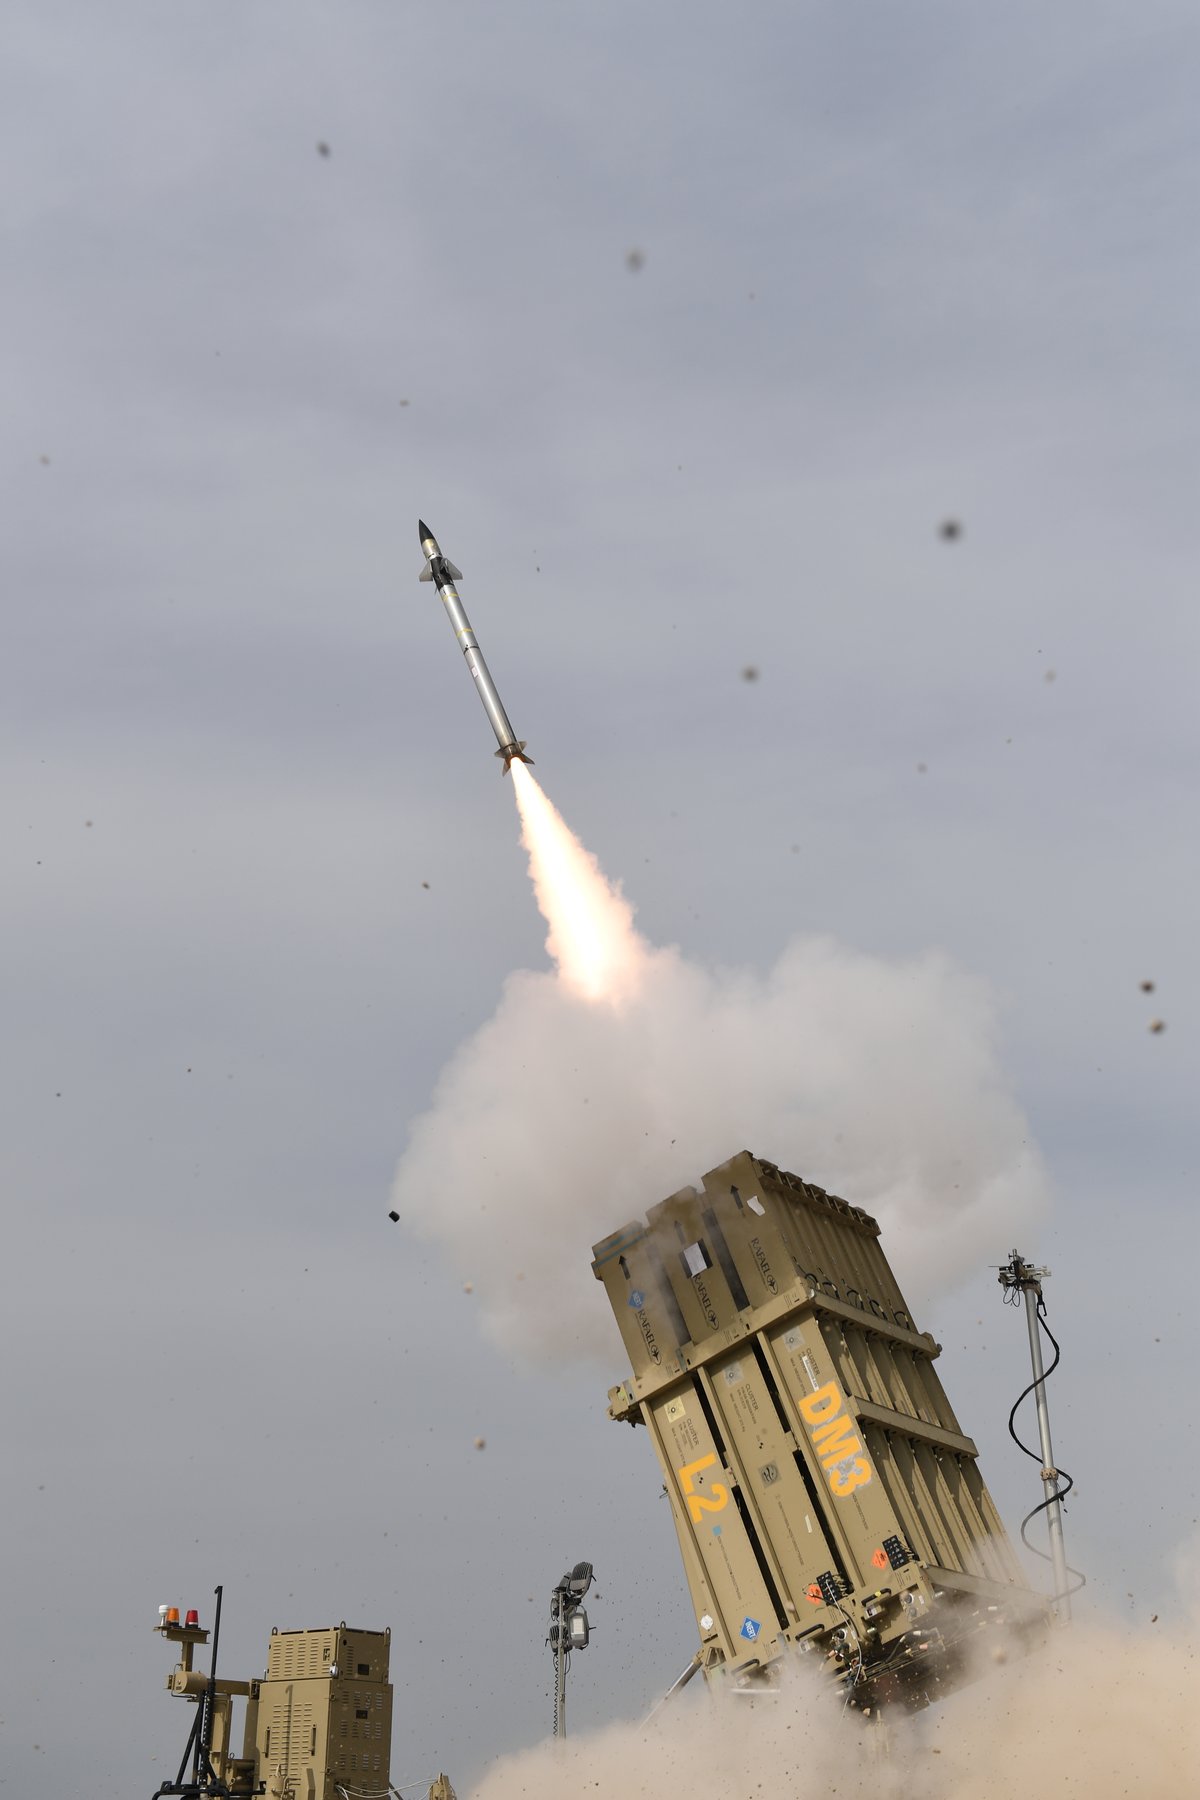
[695,1259]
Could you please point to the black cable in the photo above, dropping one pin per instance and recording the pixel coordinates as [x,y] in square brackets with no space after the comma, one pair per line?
[1061,1475]
[857,1672]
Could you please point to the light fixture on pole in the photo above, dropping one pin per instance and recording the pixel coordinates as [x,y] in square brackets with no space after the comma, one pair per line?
[569,1630]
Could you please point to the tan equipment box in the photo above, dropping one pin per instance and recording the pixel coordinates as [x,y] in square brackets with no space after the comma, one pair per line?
[325,1714]
[824,1494]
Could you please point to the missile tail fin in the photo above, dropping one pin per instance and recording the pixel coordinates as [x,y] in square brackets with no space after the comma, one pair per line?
[513,753]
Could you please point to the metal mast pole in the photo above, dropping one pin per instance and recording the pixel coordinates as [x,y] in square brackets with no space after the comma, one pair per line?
[560,1667]
[569,1630]
[1020,1275]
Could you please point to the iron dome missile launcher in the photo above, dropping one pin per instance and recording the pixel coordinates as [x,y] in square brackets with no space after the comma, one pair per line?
[824,1495]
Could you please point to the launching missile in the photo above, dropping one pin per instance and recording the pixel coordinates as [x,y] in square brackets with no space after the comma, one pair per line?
[442,572]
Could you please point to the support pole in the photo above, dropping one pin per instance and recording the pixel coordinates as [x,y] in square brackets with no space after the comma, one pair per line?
[1019,1276]
[676,1687]
[569,1630]
[1054,1520]
[204,1768]
[560,1666]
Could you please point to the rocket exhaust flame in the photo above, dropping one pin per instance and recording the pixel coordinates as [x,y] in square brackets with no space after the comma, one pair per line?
[600,956]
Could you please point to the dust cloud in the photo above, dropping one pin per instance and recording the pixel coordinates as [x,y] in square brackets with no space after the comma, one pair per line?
[624,1073]
[1098,1712]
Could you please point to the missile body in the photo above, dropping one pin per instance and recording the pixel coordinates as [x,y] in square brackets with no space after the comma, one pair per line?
[441,571]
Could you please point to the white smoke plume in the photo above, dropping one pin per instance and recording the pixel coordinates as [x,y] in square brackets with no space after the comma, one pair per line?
[603,1086]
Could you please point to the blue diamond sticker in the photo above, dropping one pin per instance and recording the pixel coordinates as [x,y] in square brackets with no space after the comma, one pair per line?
[751,1629]
[637,1299]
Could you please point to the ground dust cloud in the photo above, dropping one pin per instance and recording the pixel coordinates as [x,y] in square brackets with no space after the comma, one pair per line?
[1098,1713]
[619,1076]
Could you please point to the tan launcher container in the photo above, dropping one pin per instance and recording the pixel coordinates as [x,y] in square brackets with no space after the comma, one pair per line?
[325,1714]
[823,1492]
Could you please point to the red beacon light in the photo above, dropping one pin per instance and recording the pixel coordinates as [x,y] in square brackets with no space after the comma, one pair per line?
[193,1619]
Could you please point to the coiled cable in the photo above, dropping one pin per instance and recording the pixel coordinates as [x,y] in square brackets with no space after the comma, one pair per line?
[1066,1482]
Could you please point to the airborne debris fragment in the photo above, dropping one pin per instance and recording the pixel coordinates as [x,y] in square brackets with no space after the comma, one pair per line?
[950,530]
[1157,1026]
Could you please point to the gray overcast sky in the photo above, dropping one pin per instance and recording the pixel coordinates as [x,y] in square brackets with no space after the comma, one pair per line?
[900,264]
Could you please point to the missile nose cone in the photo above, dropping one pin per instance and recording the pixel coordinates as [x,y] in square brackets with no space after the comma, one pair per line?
[424,530]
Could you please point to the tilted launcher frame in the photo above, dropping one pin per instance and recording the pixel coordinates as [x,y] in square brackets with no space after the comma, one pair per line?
[824,1495]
